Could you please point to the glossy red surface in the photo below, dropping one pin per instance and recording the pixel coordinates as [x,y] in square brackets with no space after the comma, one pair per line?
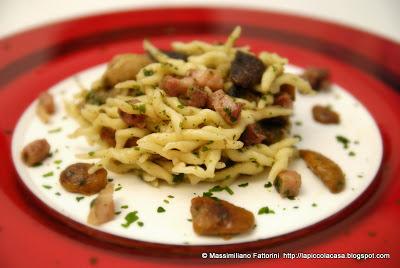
[364,64]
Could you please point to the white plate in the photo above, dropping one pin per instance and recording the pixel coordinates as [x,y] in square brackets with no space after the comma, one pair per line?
[172,226]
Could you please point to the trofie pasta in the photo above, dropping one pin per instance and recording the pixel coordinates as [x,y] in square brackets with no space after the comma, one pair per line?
[202,112]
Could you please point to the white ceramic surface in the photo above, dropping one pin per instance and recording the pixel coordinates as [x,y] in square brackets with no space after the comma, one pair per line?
[172,226]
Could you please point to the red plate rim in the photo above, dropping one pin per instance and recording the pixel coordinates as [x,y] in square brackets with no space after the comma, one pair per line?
[383,69]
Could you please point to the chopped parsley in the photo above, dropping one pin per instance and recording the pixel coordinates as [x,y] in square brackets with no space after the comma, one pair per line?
[218,188]
[298,136]
[124,206]
[141,108]
[205,149]
[110,179]
[48,174]
[118,188]
[117,212]
[55,130]
[171,196]
[345,141]
[79,198]
[47,186]
[57,162]
[265,210]
[208,194]
[351,153]
[91,153]
[140,223]
[148,72]
[295,207]
[298,123]
[166,201]
[268,185]
[190,220]
[37,164]
[180,106]
[243,184]
[58,194]
[177,178]
[160,210]
[130,218]
[314,205]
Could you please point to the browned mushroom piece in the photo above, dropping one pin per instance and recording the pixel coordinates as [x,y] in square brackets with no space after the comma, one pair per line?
[76,179]
[102,208]
[325,169]
[219,217]
[45,107]
[35,152]
[325,115]
[288,183]
[318,78]
[124,67]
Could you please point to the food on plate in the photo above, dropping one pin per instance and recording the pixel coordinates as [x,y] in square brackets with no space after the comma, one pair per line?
[325,169]
[288,183]
[76,178]
[212,216]
[35,152]
[206,112]
[102,208]
[325,115]
[319,78]
[124,67]
[45,107]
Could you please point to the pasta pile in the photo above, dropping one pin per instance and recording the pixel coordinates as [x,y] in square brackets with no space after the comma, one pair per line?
[181,142]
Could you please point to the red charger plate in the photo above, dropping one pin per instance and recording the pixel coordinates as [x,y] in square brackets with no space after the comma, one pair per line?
[366,65]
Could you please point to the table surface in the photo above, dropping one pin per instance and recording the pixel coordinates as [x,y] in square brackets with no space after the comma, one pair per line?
[378,17]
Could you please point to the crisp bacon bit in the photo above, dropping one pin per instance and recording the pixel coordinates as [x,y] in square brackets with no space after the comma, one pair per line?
[35,152]
[131,142]
[107,134]
[197,98]
[219,217]
[133,120]
[284,100]
[176,86]
[226,107]
[208,78]
[325,115]
[288,183]
[102,209]
[318,78]
[253,134]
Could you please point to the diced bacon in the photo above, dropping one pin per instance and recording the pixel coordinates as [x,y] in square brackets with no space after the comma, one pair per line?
[176,86]
[253,134]
[288,183]
[208,78]
[133,120]
[107,134]
[131,142]
[197,98]
[35,152]
[226,107]
[102,208]
[283,99]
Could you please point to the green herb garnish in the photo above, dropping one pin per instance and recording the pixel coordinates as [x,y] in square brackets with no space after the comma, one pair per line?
[91,153]
[177,178]
[148,72]
[314,205]
[345,141]
[57,162]
[265,210]
[160,210]
[268,185]
[48,174]
[55,130]
[140,223]
[130,218]
[47,186]
[79,198]
[124,206]
[243,184]
[171,196]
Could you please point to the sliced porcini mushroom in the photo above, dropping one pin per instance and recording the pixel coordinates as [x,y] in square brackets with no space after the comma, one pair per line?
[217,217]
[76,179]
[102,208]
[325,169]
